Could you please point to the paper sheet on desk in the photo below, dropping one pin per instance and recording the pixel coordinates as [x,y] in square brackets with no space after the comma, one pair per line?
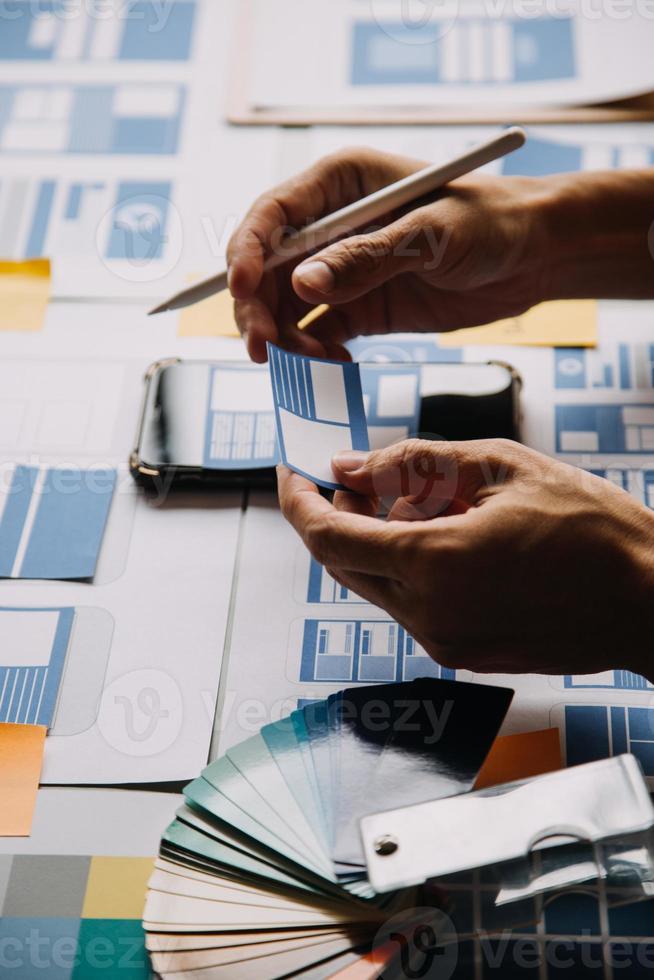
[361,56]
[24,293]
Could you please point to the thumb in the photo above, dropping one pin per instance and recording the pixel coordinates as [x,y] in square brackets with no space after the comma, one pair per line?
[429,473]
[355,266]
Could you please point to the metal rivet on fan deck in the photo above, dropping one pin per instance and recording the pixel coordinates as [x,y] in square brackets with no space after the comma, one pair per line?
[386,845]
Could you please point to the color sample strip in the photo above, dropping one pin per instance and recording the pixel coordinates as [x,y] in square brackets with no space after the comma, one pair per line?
[24,294]
[521,756]
[51,916]
[116,887]
[33,647]
[319,411]
[53,521]
[21,758]
[563,323]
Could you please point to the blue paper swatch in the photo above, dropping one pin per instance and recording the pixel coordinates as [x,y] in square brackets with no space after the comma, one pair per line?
[53,522]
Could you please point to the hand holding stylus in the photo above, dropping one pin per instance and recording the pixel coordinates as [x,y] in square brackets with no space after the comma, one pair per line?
[470,256]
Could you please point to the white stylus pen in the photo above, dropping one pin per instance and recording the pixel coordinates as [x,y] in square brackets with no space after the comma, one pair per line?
[362,213]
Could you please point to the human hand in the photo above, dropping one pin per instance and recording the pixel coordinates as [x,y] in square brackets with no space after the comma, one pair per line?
[493,557]
[475,253]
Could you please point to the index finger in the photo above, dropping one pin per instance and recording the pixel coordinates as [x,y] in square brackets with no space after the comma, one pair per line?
[288,206]
[331,183]
[341,539]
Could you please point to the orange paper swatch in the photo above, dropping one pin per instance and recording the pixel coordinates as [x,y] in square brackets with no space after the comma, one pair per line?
[24,293]
[21,758]
[369,966]
[521,756]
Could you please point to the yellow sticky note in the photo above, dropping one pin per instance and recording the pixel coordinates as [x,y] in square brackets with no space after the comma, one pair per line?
[213,317]
[116,887]
[564,323]
[21,758]
[24,294]
[521,756]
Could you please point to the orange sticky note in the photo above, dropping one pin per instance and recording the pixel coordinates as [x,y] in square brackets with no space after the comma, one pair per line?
[521,756]
[213,317]
[561,323]
[21,758]
[24,294]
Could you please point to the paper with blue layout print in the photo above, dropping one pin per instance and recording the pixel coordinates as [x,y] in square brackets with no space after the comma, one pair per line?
[376,55]
[56,31]
[131,118]
[33,647]
[319,412]
[52,522]
[64,217]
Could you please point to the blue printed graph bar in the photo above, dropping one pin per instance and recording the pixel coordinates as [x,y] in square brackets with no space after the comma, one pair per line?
[605,428]
[58,31]
[367,651]
[319,412]
[52,522]
[33,647]
[540,157]
[638,482]
[616,367]
[595,732]
[617,680]
[399,349]
[471,51]
[322,588]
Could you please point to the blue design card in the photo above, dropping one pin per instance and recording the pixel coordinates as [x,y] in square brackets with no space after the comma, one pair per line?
[33,648]
[319,412]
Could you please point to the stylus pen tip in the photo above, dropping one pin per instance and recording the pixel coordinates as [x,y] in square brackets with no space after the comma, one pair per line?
[159,309]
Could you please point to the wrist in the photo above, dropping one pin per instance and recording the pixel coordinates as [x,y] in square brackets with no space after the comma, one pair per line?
[599,236]
[637,653]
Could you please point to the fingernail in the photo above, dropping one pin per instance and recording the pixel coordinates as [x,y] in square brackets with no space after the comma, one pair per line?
[348,462]
[318,276]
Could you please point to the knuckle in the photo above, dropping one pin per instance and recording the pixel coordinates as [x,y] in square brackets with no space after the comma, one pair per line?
[413,450]
[317,538]
[348,167]
[368,255]
[348,156]
[504,447]
[288,504]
